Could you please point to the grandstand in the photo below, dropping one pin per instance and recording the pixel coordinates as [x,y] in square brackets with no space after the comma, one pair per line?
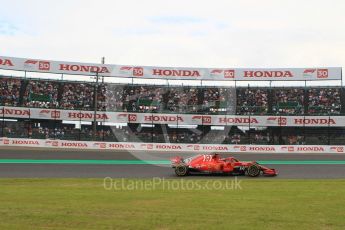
[38,93]
[316,112]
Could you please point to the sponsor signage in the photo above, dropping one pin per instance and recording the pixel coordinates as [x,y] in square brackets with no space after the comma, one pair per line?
[173,119]
[128,71]
[164,147]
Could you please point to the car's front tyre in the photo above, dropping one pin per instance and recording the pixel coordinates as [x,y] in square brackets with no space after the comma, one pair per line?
[253,170]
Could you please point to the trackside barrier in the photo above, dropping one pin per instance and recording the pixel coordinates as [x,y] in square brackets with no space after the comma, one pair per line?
[166,147]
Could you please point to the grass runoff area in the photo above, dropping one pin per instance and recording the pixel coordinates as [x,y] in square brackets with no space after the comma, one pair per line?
[171,204]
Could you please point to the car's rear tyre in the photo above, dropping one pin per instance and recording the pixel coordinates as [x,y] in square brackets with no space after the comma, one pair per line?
[181,170]
[253,170]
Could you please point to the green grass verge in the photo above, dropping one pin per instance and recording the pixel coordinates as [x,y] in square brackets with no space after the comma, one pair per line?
[85,204]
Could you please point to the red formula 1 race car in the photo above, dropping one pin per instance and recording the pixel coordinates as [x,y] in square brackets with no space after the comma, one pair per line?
[212,164]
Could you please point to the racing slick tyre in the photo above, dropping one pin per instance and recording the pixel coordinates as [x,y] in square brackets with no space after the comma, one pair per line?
[181,170]
[253,170]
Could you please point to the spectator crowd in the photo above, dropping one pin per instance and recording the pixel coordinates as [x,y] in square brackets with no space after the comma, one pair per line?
[170,99]
[252,101]
[285,136]
[324,101]
[9,91]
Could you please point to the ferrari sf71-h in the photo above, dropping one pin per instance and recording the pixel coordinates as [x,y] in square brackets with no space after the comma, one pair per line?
[214,164]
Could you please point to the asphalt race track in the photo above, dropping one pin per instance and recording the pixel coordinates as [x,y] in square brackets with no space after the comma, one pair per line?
[75,164]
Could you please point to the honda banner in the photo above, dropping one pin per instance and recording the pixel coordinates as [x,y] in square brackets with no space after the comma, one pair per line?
[172,119]
[130,71]
[166,147]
